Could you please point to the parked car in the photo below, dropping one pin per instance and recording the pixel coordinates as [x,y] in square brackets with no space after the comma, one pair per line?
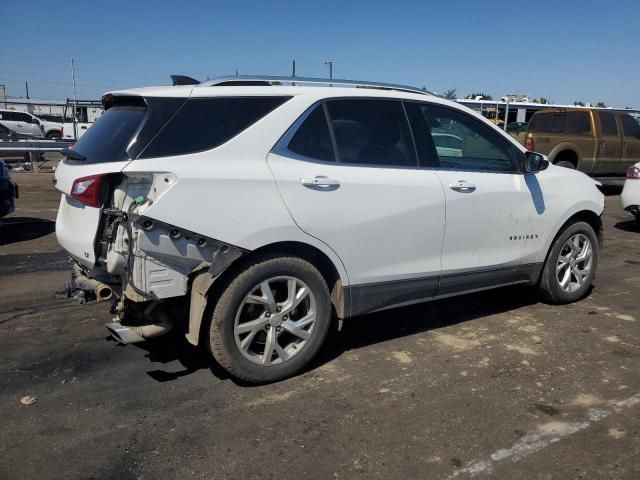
[631,191]
[245,203]
[595,141]
[8,134]
[30,125]
[8,191]
[22,122]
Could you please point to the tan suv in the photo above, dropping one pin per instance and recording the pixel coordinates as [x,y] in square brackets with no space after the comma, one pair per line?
[593,140]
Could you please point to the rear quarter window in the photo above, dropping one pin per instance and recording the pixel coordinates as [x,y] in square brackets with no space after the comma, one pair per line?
[108,138]
[561,122]
[206,123]
[630,127]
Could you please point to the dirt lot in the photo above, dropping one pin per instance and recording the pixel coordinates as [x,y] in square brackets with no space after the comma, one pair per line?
[494,385]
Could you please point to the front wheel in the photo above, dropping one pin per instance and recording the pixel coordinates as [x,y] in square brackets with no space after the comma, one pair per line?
[271,320]
[571,264]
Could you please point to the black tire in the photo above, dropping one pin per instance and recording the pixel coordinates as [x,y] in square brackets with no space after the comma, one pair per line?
[566,164]
[54,135]
[222,340]
[549,284]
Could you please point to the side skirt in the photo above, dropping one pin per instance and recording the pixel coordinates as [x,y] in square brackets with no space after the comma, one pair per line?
[374,297]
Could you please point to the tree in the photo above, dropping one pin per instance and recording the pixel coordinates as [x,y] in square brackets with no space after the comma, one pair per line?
[601,105]
[483,96]
[543,100]
[579,103]
[450,94]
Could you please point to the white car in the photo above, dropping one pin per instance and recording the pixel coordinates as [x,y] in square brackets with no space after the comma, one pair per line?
[27,124]
[264,210]
[631,191]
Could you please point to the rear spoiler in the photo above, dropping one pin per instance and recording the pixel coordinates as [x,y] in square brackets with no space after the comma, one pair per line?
[183,80]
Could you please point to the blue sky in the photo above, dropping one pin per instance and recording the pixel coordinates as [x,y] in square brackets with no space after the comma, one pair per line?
[566,50]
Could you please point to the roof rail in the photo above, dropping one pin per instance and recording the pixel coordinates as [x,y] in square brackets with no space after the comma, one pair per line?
[266,80]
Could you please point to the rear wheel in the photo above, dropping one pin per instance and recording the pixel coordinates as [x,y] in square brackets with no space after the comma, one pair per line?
[54,135]
[571,264]
[271,320]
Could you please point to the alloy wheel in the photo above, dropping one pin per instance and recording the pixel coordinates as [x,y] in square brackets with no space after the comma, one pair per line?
[574,262]
[275,320]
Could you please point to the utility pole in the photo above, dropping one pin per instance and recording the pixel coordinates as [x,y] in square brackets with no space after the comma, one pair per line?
[75,102]
[330,63]
[293,68]
[26,86]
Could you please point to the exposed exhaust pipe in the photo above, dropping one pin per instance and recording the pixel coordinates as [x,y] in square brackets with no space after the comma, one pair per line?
[126,334]
[79,279]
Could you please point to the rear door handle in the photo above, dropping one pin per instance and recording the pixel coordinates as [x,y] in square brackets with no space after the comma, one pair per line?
[320,182]
[462,186]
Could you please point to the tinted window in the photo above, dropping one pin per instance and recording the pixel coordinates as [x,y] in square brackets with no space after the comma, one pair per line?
[371,132]
[608,123]
[107,139]
[630,127]
[21,117]
[8,116]
[313,139]
[205,123]
[464,143]
[561,122]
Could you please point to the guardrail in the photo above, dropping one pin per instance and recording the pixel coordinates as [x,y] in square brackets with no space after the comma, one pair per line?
[35,149]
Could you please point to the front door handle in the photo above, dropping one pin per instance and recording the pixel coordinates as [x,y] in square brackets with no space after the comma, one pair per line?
[320,182]
[462,186]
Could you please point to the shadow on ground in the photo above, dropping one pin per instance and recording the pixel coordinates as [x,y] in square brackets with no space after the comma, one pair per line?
[20,229]
[629,226]
[356,333]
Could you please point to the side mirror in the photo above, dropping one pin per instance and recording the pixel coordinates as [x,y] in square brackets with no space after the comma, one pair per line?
[534,162]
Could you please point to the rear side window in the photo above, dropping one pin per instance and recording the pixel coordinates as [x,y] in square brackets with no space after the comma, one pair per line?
[561,122]
[371,132]
[313,139]
[108,138]
[630,127]
[608,123]
[205,123]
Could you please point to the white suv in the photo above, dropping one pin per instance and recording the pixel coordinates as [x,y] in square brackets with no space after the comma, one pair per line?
[27,124]
[256,212]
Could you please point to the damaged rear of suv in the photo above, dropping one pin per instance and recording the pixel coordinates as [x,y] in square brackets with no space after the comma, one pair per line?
[133,219]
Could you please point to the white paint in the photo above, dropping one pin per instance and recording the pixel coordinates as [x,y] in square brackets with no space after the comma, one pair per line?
[546,435]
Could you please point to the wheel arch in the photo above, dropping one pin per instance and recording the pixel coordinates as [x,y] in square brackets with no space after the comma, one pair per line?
[567,151]
[584,215]
[205,289]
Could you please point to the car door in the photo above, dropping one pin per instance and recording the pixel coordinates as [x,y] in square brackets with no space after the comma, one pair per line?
[495,215]
[347,171]
[610,148]
[22,123]
[631,140]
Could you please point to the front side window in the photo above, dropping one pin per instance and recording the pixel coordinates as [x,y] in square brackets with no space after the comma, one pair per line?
[371,132]
[22,117]
[462,142]
[608,124]
[630,127]
[206,123]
